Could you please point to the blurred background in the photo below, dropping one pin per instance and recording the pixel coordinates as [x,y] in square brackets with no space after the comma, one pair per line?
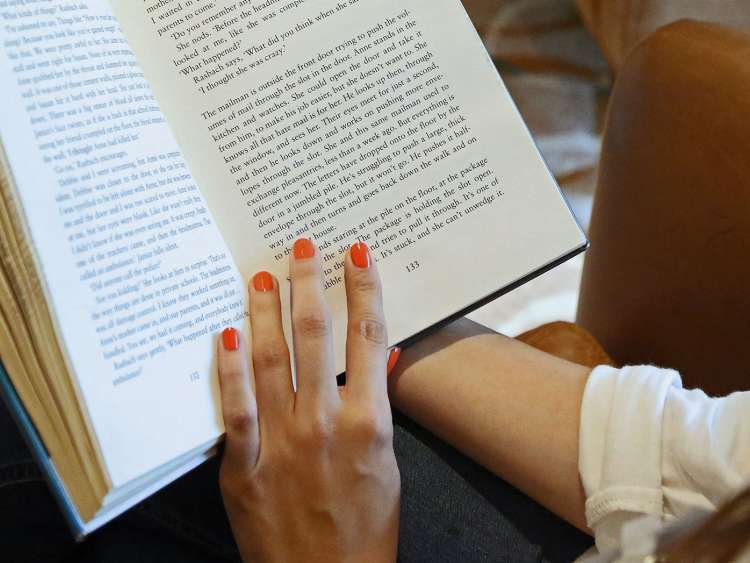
[559,58]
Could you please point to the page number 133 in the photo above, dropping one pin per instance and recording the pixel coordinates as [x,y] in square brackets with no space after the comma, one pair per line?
[413,266]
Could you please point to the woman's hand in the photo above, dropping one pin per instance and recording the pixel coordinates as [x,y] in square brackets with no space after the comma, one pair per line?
[310,476]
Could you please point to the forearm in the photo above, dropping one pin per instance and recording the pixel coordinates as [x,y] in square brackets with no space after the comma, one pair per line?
[510,407]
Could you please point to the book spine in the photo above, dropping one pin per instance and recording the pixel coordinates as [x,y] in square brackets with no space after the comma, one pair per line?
[42,458]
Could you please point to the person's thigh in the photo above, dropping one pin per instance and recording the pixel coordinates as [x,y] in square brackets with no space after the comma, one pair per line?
[452,510]
[32,527]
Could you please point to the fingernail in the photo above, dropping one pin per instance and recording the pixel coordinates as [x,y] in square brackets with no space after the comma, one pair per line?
[304,249]
[361,255]
[263,282]
[393,359]
[231,339]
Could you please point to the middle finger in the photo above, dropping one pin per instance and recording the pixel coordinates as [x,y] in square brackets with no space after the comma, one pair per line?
[311,327]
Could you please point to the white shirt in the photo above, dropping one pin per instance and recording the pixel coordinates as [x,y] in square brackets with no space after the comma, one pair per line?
[650,447]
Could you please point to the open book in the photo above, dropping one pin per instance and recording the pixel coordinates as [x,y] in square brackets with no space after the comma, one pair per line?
[127,232]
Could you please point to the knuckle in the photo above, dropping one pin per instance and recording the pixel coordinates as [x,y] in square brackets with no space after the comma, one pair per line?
[240,422]
[232,374]
[270,355]
[366,285]
[312,324]
[308,272]
[315,432]
[371,427]
[372,329]
[263,308]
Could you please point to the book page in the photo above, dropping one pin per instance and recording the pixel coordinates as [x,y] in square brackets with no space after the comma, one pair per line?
[344,120]
[138,277]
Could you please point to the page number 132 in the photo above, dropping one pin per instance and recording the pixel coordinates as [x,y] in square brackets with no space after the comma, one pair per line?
[413,266]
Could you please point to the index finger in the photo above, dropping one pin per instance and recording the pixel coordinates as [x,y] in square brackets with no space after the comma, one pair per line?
[366,337]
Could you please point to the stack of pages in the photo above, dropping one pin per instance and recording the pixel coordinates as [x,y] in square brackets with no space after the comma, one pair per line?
[157,153]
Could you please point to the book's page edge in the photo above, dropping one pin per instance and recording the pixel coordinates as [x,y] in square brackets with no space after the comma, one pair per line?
[27,240]
[35,444]
[78,527]
[585,243]
[495,295]
[107,514]
[531,137]
[78,376]
[578,238]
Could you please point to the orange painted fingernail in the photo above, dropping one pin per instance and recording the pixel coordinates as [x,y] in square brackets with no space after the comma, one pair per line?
[263,282]
[361,255]
[231,339]
[304,249]
[393,359]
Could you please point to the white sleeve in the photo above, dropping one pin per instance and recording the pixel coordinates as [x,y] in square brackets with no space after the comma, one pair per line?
[706,450]
[647,446]
[620,447]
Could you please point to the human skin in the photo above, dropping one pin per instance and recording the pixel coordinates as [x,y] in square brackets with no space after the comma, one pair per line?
[310,475]
[511,408]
